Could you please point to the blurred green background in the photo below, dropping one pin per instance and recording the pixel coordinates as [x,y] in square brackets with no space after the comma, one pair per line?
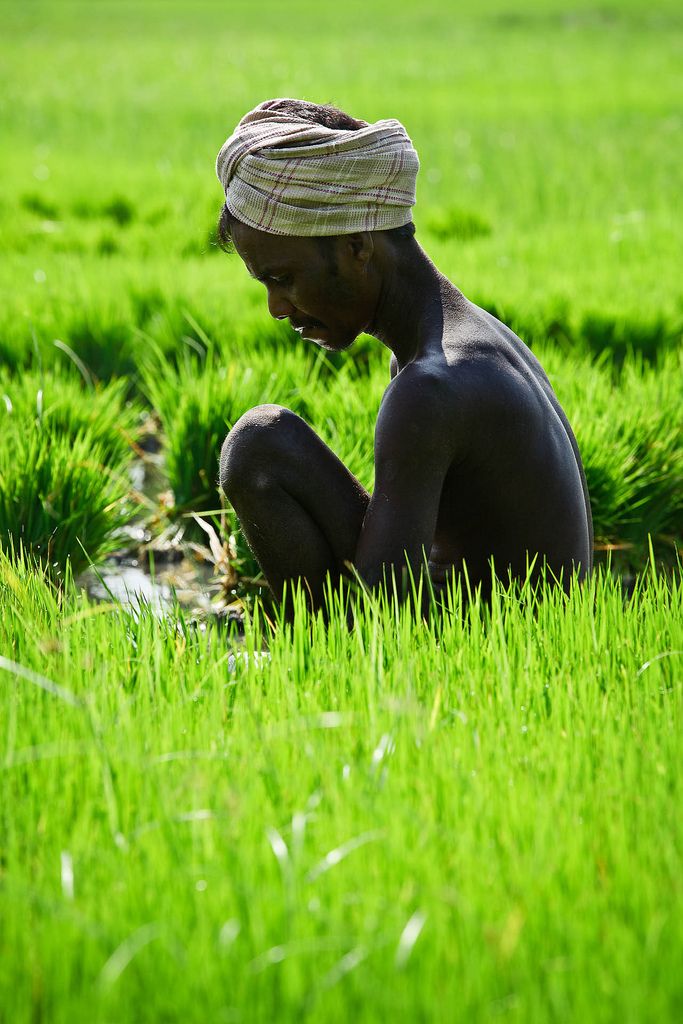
[549,135]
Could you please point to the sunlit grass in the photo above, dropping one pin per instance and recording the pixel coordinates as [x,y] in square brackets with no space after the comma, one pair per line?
[398,819]
[64,487]
[59,500]
[62,404]
[549,140]
[630,434]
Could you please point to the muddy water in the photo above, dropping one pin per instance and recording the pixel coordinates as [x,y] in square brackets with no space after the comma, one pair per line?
[132,583]
[156,567]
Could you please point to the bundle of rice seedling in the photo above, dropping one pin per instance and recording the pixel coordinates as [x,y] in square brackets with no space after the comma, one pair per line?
[60,501]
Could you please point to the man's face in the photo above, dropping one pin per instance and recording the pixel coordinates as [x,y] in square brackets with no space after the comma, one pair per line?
[316,284]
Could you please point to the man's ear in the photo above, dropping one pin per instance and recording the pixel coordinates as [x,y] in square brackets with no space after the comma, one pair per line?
[361,246]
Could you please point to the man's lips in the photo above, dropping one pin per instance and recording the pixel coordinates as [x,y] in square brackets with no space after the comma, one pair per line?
[310,325]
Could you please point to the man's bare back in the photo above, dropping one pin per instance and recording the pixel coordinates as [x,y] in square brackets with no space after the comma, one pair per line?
[514,485]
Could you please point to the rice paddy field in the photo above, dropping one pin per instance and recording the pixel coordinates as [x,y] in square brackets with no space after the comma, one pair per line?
[209,814]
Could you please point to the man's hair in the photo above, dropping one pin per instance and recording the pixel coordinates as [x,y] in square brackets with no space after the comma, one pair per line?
[330,117]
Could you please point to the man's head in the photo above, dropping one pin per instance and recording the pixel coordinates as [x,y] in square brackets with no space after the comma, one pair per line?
[313,197]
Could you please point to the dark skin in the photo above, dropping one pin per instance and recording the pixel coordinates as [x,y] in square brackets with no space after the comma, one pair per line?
[474,457]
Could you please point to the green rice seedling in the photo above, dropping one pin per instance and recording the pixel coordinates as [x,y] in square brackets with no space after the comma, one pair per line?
[57,402]
[553,207]
[405,821]
[62,478]
[452,222]
[630,434]
[60,499]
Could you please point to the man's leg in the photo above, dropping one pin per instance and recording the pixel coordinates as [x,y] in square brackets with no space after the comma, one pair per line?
[300,508]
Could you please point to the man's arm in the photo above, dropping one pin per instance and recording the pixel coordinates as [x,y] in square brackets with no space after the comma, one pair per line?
[416,440]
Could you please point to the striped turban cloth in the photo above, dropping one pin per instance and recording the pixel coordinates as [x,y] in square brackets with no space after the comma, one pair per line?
[288,176]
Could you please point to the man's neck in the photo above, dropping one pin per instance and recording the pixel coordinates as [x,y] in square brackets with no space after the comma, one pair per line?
[409,312]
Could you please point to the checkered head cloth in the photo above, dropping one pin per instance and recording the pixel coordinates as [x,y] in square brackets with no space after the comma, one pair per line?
[289,176]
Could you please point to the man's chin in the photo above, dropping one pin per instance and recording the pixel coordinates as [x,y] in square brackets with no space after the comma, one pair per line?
[334,344]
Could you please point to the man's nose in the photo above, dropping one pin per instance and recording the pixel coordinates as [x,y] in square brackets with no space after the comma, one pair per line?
[279,306]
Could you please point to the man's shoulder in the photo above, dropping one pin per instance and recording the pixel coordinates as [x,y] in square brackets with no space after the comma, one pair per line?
[424,404]
[480,379]
[483,349]
[460,376]
[420,382]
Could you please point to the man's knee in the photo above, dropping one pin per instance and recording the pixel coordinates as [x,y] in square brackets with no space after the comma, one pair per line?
[249,450]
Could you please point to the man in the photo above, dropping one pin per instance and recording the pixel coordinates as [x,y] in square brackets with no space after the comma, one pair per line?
[475,462]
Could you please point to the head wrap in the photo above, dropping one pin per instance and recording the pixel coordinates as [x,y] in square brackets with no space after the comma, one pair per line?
[284,174]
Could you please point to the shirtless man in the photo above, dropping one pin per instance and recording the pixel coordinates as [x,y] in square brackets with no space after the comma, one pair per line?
[474,458]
